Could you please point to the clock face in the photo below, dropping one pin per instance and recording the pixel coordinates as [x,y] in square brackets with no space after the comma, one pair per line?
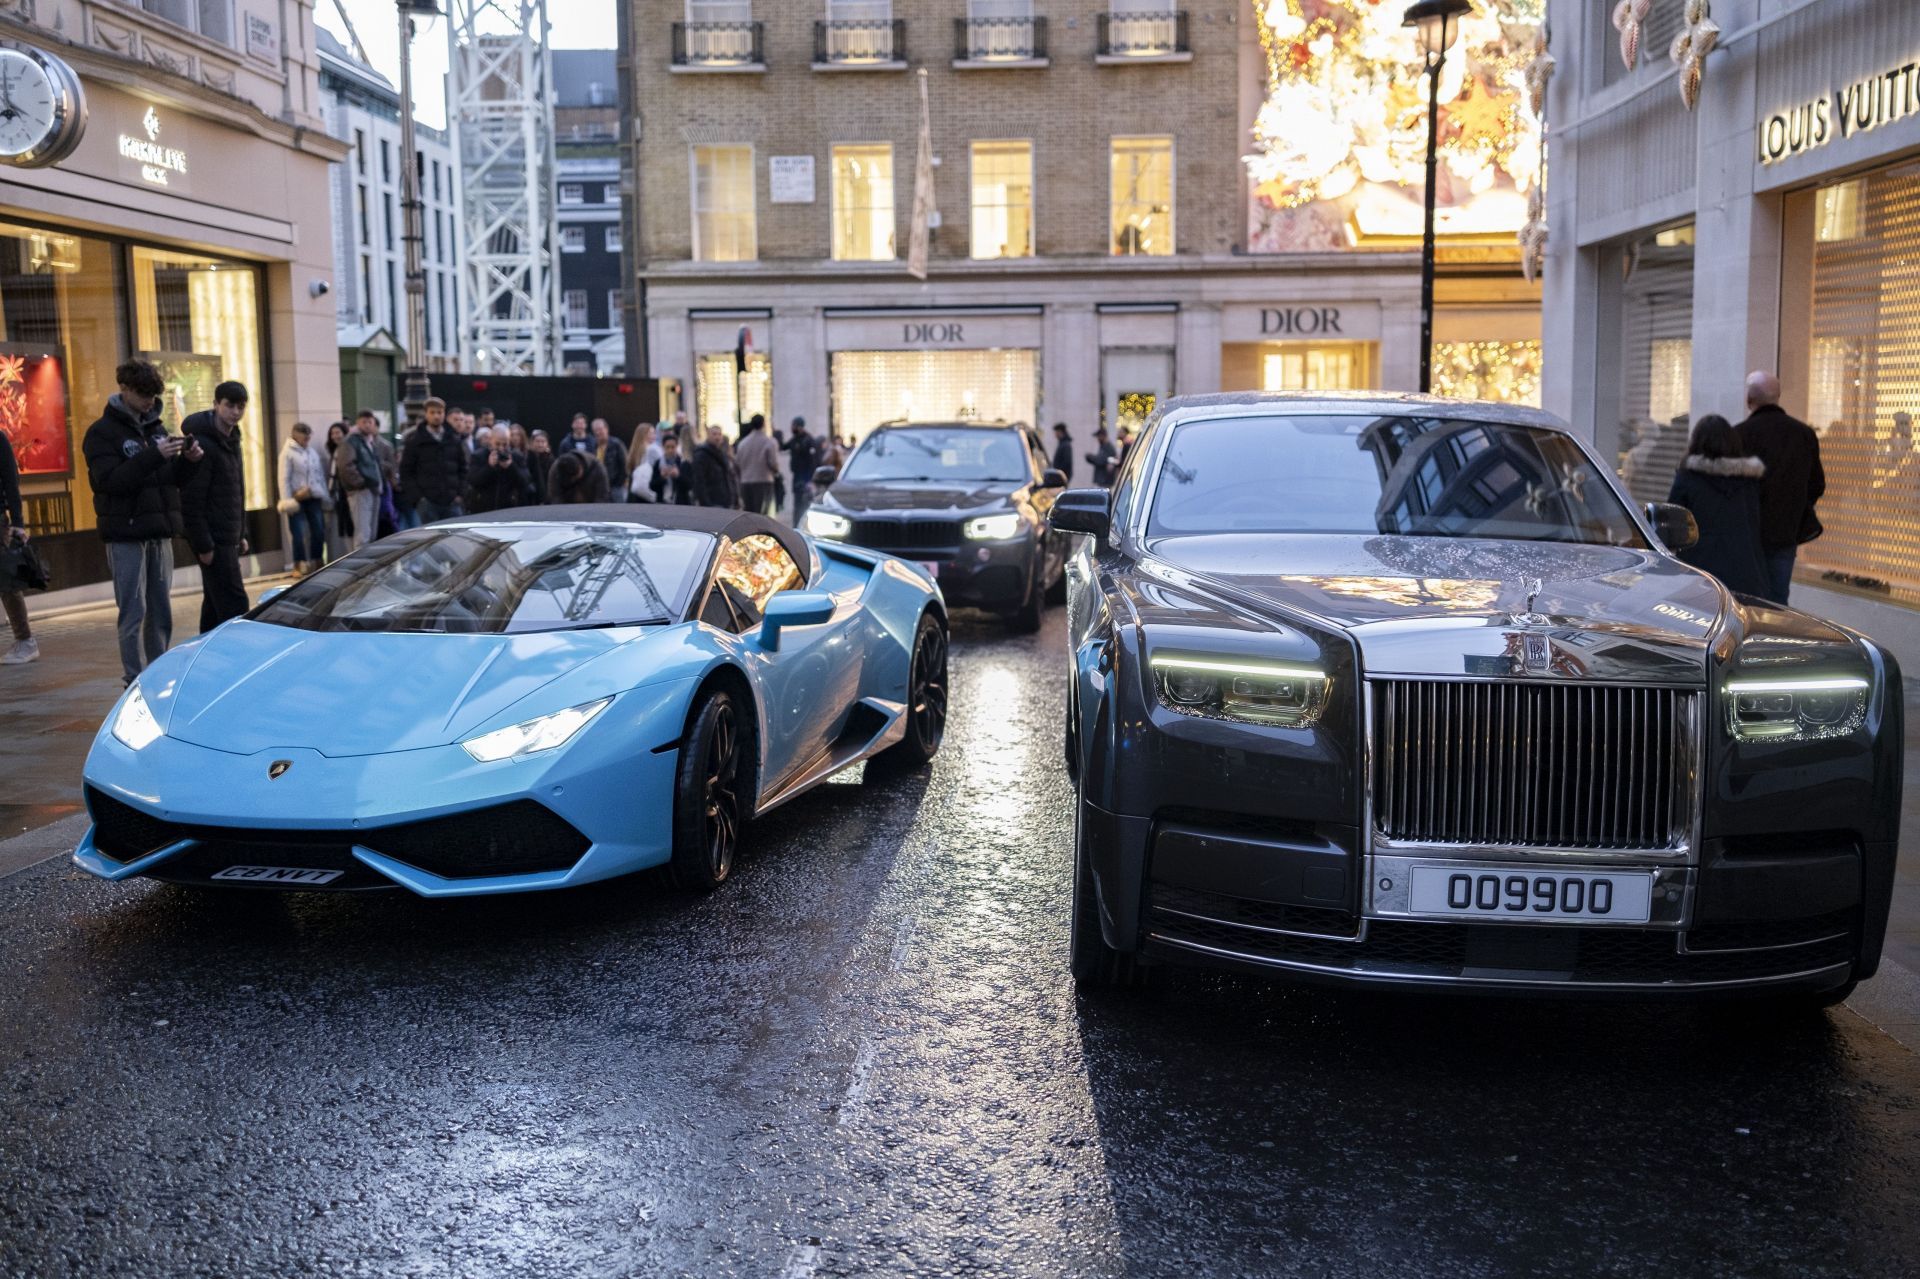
[29,104]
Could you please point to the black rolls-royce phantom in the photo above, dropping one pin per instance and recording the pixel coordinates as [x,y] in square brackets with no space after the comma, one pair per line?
[1389,690]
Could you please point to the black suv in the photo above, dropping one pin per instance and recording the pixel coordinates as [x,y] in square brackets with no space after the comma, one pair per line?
[968,501]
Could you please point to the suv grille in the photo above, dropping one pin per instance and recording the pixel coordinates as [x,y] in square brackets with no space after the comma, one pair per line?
[892,535]
[1533,765]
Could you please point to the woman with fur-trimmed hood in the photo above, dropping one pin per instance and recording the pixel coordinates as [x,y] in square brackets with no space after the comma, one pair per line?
[1720,484]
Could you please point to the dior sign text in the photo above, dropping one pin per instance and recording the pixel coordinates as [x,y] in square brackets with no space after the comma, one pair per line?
[1300,321]
[933,331]
[1860,106]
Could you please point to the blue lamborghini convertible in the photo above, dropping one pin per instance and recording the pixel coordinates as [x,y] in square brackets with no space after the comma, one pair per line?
[530,699]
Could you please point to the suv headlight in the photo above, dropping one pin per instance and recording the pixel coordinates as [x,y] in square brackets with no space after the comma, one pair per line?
[134,723]
[827,524]
[1240,688]
[993,528]
[543,734]
[1796,710]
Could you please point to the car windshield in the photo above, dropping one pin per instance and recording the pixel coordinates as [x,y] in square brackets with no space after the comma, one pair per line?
[1416,476]
[499,579]
[939,454]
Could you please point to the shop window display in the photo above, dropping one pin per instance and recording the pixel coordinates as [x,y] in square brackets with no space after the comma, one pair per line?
[719,389]
[872,387]
[1508,372]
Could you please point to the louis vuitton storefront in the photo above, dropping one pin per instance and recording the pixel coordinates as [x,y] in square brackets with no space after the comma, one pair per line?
[186,228]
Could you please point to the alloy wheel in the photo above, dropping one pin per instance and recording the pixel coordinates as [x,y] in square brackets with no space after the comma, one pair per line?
[722,791]
[928,693]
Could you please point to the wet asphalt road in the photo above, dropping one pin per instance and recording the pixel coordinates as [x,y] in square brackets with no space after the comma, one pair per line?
[863,1056]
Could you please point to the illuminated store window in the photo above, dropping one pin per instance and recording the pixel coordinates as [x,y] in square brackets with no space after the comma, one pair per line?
[1002,200]
[1655,387]
[198,319]
[863,202]
[1837,209]
[718,390]
[1142,201]
[723,219]
[1507,372]
[60,338]
[1316,366]
[872,387]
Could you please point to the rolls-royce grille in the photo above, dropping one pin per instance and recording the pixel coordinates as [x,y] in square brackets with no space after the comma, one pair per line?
[890,535]
[1532,764]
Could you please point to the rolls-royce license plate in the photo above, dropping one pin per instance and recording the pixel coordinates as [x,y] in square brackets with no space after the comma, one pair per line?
[1531,892]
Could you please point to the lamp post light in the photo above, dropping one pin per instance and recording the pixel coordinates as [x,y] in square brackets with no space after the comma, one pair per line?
[1436,25]
[413,222]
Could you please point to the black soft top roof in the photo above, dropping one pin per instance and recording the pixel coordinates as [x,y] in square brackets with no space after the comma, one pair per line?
[697,519]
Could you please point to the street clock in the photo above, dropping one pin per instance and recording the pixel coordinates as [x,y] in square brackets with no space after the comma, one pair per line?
[43,107]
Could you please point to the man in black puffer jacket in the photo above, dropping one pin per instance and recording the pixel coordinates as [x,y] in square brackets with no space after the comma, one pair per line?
[213,505]
[134,468]
[433,466]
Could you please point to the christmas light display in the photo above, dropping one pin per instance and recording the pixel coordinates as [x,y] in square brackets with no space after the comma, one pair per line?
[1340,141]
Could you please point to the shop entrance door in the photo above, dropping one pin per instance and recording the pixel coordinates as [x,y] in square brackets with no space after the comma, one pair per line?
[875,387]
[1132,383]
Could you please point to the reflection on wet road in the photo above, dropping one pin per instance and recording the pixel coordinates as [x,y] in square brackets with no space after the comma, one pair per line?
[864,1057]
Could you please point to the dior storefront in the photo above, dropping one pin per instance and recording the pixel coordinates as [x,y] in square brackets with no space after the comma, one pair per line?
[1776,226]
[187,227]
[1092,348]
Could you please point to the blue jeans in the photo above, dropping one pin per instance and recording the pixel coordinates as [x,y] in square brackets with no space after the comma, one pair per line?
[308,527]
[802,499]
[143,590]
[431,512]
[1780,573]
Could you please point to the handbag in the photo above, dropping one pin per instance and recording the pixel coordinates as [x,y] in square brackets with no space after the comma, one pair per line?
[1810,527]
[22,568]
[289,506]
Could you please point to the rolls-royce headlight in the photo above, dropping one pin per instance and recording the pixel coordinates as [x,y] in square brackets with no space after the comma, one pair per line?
[827,524]
[993,528]
[134,723]
[543,734]
[1240,688]
[1796,710]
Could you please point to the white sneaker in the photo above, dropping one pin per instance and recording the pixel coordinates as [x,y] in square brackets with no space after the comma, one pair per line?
[22,652]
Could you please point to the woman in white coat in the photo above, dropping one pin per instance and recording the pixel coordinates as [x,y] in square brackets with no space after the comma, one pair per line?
[304,500]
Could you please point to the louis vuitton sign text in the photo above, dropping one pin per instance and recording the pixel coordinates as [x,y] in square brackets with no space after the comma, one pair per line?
[1860,106]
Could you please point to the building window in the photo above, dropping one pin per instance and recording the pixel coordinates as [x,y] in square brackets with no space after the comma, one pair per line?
[723,225]
[1142,197]
[573,193]
[863,202]
[573,239]
[386,200]
[366,290]
[366,233]
[857,31]
[574,302]
[1002,200]
[614,304]
[719,390]
[211,18]
[386,160]
[360,150]
[393,303]
[436,179]
[612,238]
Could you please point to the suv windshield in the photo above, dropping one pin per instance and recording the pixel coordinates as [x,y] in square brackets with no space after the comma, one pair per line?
[1417,476]
[493,579]
[939,453]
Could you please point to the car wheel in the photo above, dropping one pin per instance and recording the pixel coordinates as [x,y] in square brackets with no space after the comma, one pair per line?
[1026,619]
[926,698]
[707,806]
[1095,965]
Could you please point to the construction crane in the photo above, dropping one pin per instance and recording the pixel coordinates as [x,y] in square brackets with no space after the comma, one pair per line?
[500,114]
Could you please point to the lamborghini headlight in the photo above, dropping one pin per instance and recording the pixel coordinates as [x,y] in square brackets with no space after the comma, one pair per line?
[543,734]
[993,528]
[1240,688]
[134,723]
[827,524]
[1796,709]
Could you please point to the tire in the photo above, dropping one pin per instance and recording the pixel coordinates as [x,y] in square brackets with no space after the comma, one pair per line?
[1025,620]
[926,699]
[1095,965]
[708,811]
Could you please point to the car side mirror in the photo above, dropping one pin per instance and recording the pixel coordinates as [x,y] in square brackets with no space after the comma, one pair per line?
[1052,479]
[825,475]
[793,608]
[1673,525]
[1083,511]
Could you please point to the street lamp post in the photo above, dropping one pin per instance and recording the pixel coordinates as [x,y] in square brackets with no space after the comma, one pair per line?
[1436,25]
[413,228]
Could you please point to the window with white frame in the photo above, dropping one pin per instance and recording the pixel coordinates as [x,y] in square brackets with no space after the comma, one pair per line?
[612,238]
[572,193]
[999,30]
[1142,197]
[1002,181]
[210,18]
[613,308]
[573,239]
[723,196]
[863,223]
[574,303]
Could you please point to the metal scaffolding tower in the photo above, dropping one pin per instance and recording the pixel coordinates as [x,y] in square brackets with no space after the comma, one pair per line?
[500,111]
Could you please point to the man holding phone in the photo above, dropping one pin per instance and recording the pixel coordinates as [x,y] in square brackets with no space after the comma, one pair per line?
[213,505]
[134,468]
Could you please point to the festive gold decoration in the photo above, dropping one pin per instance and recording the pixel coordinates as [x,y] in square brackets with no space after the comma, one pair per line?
[1533,236]
[1341,140]
[1691,47]
[1628,16]
[1508,372]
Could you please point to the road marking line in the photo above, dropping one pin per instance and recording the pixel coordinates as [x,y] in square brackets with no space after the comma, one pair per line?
[801,1262]
[902,942]
[853,1100]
